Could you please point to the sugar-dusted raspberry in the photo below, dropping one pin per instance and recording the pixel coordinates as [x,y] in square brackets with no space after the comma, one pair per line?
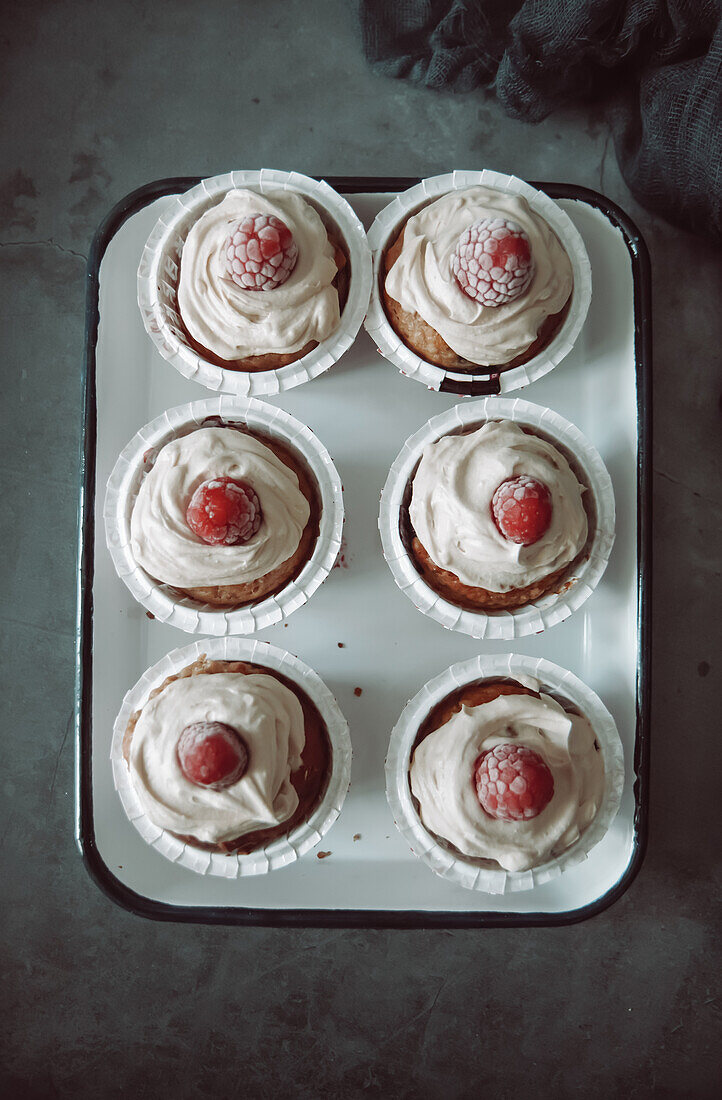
[260,252]
[212,754]
[512,782]
[492,262]
[224,511]
[522,509]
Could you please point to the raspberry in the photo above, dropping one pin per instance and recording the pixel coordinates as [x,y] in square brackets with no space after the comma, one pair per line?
[492,262]
[522,509]
[512,783]
[224,511]
[260,252]
[212,754]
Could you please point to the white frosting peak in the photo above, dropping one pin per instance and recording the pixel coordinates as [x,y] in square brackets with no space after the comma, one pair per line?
[450,506]
[442,779]
[267,715]
[422,281]
[234,323]
[163,543]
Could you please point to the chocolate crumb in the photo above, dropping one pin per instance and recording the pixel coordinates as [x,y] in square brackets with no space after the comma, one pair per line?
[341,645]
[703,668]
[285,624]
[357,692]
[149,615]
[322,855]
[357,836]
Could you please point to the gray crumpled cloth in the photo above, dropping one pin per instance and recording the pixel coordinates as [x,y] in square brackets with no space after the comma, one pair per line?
[655,64]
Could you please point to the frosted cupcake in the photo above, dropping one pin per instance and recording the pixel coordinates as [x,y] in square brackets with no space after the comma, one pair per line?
[506,774]
[231,757]
[223,516]
[262,281]
[497,518]
[503,772]
[255,281]
[227,755]
[480,278]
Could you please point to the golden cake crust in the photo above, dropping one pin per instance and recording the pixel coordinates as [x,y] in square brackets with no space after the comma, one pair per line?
[469,695]
[449,586]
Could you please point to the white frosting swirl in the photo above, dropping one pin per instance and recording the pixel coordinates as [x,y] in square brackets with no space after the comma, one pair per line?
[163,543]
[265,713]
[421,279]
[442,779]
[450,506]
[234,323]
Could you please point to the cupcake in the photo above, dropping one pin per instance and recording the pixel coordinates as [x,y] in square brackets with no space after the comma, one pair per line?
[235,757]
[496,516]
[252,274]
[477,274]
[237,510]
[262,280]
[225,515]
[503,776]
[495,508]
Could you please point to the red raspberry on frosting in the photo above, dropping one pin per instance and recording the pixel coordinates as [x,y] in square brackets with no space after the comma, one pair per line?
[224,511]
[522,509]
[212,754]
[512,783]
[492,262]
[260,252]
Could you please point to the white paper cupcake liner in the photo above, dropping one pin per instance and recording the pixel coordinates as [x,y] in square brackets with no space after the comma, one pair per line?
[385,228]
[158,277]
[282,851]
[575,586]
[163,602]
[533,672]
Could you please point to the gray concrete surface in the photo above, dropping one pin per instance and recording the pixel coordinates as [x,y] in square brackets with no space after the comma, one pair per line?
[96,100]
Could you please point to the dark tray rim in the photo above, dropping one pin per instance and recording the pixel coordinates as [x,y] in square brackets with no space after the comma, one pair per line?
[355,918]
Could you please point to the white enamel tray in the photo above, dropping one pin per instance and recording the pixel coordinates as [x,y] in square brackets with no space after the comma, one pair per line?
[362,410]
